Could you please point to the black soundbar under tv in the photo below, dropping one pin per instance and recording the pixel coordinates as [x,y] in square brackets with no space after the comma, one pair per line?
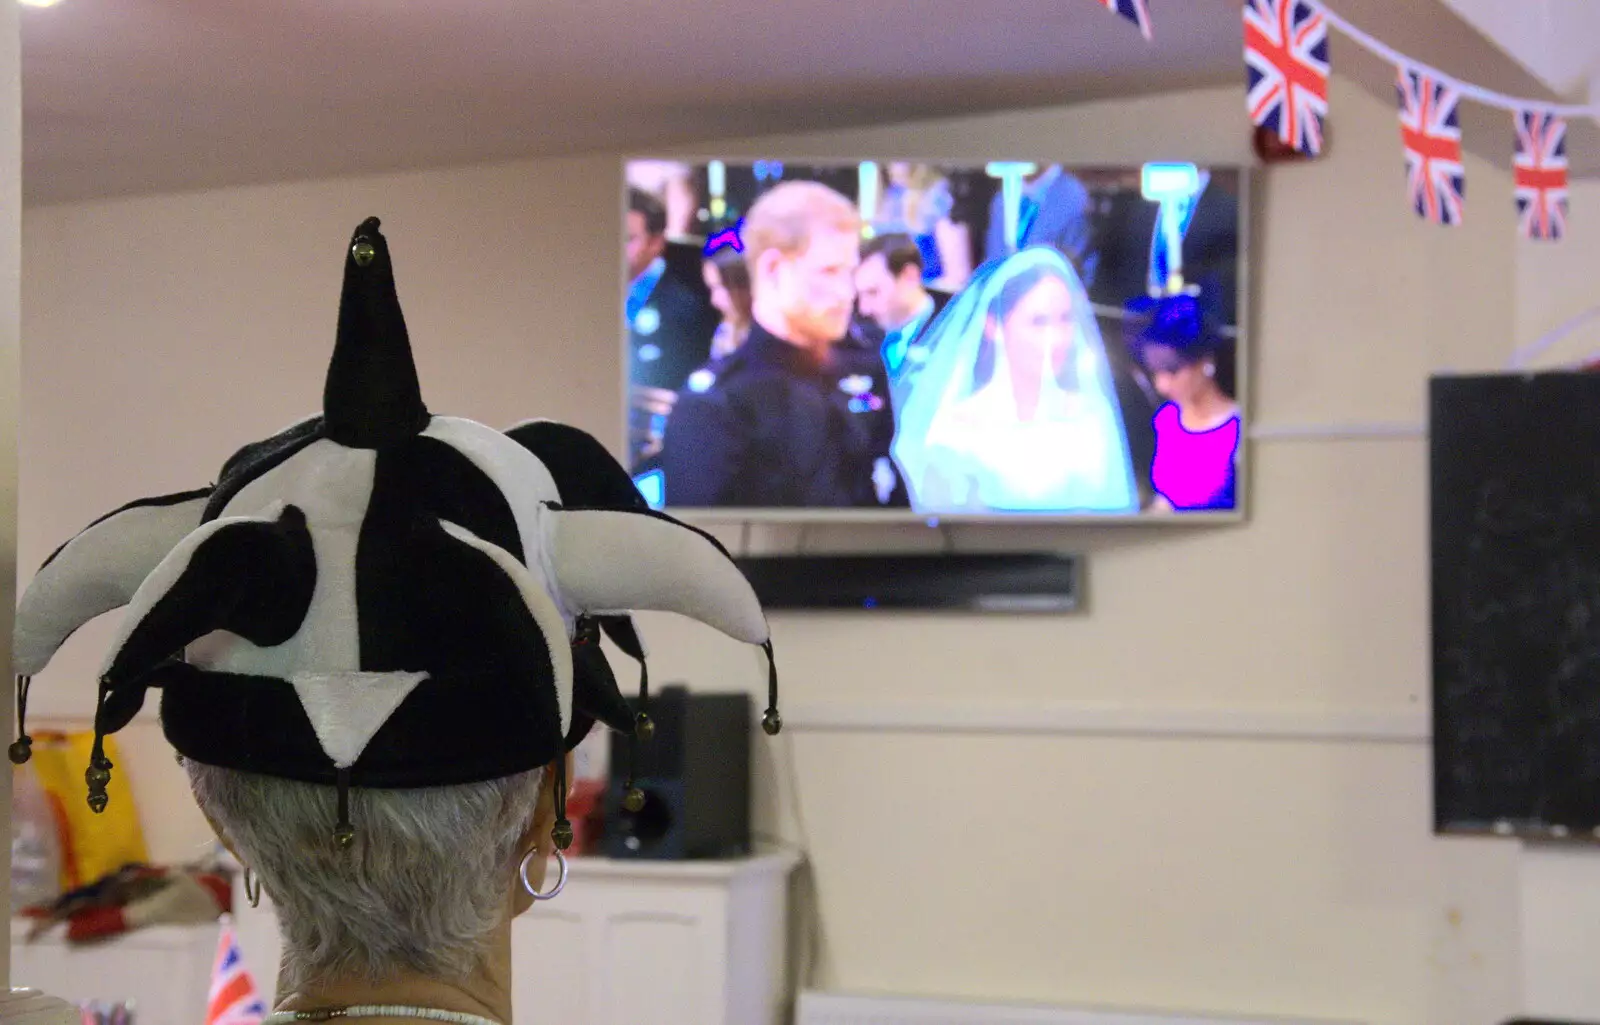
[1008,582]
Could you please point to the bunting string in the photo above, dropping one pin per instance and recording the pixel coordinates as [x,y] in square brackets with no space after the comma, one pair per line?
[1466,90]
[1137,11]
[1287,62]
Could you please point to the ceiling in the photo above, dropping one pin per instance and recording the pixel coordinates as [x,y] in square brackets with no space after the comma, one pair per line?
[134,96]
[1557,40]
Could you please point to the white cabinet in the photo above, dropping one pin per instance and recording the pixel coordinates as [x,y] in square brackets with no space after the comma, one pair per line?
[165,971]
[664,942]
[670,943]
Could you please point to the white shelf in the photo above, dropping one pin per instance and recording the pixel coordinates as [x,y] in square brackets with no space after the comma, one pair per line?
[164,970]
[778,862]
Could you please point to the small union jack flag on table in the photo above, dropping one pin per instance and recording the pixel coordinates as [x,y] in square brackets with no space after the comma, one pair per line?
[1541,175]
[1286,56]
[1136,11]
[1431,131]
[233,999]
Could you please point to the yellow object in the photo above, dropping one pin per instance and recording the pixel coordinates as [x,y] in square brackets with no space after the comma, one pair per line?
[91,845]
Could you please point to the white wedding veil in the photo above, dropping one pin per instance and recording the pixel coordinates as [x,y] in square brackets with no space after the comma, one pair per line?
[961,360]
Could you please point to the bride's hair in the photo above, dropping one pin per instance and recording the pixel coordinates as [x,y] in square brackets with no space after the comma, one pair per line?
[1005,301]
[421,890]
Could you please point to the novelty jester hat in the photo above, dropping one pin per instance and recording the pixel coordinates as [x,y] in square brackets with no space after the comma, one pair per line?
[379,596]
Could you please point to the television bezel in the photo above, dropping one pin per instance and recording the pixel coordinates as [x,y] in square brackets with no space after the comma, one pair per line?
[801,515]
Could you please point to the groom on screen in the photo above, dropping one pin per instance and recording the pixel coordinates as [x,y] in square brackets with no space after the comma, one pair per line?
[790,419]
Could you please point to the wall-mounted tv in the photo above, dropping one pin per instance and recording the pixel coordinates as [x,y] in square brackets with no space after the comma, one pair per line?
[881,339]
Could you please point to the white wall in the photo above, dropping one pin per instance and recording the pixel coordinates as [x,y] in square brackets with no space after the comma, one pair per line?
[1559,889]
[1553,39]
[1228,806]
[1558,283]
[10,315]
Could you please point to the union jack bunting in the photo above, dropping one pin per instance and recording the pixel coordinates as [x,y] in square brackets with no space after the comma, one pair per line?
[1541,175]
[1136,11]
[1431,132]
[1286,58]
[233,999]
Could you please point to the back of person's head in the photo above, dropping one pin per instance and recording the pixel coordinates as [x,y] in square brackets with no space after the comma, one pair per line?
[1178,323]
[784,218]
[421,890]
[899,251]
[650,208]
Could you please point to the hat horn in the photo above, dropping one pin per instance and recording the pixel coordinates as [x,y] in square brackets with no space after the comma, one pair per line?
[372,395]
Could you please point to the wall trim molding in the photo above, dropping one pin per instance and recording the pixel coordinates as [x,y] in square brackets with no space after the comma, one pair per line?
[1376,725]
[1352,431]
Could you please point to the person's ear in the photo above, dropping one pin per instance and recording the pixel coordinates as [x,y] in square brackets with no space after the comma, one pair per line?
[768,263]
[222,836]
[536,838]
[544,815]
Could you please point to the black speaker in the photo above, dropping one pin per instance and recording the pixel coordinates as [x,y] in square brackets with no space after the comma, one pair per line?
[695,775]
[1003,582]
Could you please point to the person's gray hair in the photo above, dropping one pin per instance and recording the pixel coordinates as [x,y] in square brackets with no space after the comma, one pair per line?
[420,891]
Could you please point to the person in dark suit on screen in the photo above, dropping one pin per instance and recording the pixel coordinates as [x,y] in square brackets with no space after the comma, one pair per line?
[1057,211]
[670,321]
[890,292]
[792,418]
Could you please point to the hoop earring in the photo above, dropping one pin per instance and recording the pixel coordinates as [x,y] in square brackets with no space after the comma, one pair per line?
[252,888]
[561,878]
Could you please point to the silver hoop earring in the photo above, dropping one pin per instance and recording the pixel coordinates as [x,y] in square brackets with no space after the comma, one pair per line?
[252,888]
[561,877]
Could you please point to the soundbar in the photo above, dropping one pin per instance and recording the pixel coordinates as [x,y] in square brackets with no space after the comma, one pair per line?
[1005,582]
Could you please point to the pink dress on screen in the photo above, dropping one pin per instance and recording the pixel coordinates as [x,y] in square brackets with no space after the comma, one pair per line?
[1194,470]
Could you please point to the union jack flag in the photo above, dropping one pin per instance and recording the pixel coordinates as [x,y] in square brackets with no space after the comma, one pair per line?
[1541,175]
[233,999]
[1286,57]
[1136,11]
[1431,132]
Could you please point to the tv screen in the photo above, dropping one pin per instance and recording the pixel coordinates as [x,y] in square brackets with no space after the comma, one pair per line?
[882,338]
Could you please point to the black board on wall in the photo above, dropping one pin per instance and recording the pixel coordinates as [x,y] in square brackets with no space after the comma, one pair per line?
[1515,495]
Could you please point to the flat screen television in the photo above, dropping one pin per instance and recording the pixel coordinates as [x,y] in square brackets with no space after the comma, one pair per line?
[884,339]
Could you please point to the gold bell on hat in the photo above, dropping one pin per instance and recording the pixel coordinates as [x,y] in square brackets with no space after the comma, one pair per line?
[98,776]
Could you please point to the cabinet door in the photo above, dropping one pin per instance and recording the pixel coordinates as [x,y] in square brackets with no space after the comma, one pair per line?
[665,951]
[622,953]
[550,967]
[163,970]
[655,969]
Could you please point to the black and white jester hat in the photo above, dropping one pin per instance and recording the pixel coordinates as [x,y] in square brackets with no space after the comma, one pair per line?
[378,596]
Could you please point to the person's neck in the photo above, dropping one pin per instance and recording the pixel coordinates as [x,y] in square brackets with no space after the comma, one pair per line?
[1209,409]
[486,992]
[911,312]
[774,323]
[656,264]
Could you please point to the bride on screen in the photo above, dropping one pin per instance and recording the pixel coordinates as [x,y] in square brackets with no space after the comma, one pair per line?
[1015,409]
